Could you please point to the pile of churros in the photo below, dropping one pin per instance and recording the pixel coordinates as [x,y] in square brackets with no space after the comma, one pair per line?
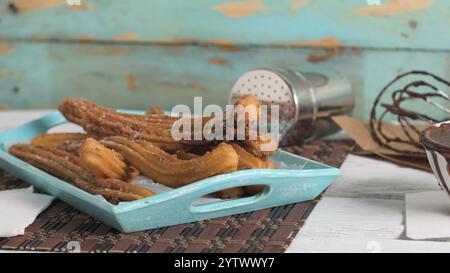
[117,147]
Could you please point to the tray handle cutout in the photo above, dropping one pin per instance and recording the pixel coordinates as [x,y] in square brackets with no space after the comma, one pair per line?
[232,203]
[231,181]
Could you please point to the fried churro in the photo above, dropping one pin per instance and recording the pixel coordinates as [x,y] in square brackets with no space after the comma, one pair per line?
[55,139]
[166,169]
[154,110]
[103,162]
[248,100]
[104,122]
[68,167]
[262,148]
[249,161]
[118,146]
[154,127]
[190,169]
[72,146]
[184,155]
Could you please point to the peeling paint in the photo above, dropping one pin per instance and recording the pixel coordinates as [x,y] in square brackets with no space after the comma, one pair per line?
[106,50]
[330,42]
[297,4]
[326,56]
[176,41]
[85,38]
[218,60]
[37,37]
[33,5]
[330,53]
[395,7]
[225,45]
[114,50]
[131,80]
[331,47]
[221,42]
[126,37]
[6,49]
[240,9]
[198,86]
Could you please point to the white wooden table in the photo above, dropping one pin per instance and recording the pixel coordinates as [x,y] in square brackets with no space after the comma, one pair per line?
[353,218]
[364,211]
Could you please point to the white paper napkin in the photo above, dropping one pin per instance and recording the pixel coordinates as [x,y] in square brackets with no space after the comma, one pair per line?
[372,178]
[427,215]
[19,208]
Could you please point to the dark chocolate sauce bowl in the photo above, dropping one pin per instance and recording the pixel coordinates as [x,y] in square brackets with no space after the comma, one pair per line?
[436,141]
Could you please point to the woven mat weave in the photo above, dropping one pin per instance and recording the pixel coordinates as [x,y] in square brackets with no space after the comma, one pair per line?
[267,230]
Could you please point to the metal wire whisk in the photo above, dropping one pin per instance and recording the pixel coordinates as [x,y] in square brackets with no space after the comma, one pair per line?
[423,90]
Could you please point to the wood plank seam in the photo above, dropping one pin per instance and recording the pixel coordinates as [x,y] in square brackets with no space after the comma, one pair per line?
[212,44]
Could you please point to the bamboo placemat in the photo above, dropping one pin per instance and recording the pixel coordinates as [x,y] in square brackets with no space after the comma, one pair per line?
[267,230]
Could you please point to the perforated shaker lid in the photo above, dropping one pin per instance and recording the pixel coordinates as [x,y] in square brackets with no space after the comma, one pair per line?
[271,89]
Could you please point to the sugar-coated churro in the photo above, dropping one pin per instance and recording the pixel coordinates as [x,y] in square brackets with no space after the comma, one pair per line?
[118,146]
[103,162]
[55,139]
[102,122]
[168,170]
[72,146]
[184,155]
[154,110]
[249,161]
[67,166]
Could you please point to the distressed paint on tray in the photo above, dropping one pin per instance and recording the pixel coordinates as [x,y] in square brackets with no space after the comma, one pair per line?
[397,23]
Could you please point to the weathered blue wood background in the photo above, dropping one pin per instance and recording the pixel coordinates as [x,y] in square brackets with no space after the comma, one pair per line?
[137,53]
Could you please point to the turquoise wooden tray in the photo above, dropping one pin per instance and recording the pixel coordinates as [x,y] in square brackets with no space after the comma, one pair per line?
[283,186]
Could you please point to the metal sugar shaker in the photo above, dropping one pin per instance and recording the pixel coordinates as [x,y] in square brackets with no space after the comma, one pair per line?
[307,100]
